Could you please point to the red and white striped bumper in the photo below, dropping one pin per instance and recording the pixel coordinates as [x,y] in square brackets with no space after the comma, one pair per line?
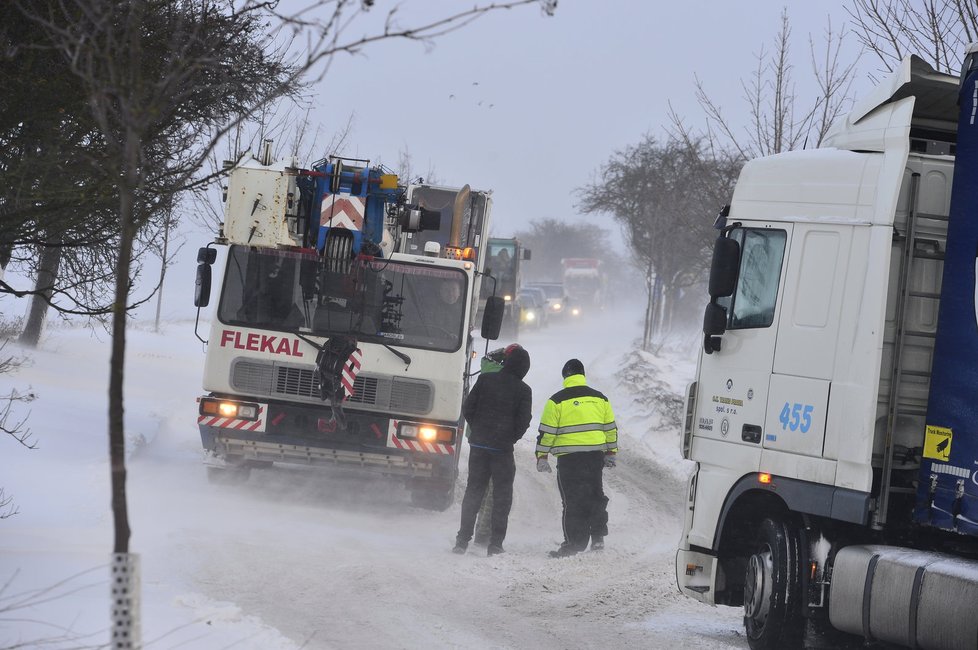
[235,423]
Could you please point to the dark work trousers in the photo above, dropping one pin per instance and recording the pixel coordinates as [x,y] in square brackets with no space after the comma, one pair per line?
[484,465]
[579,476]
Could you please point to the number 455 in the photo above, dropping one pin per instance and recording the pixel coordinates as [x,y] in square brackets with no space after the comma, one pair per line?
[796,416]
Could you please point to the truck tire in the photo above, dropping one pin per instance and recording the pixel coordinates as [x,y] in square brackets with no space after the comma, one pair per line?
[772,611]
[433,497]
[235,470]
[228,475]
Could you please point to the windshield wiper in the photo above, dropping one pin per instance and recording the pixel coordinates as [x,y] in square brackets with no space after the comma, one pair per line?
[400,355]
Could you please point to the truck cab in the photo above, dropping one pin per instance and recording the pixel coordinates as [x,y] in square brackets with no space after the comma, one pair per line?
[810,417]
[504,270]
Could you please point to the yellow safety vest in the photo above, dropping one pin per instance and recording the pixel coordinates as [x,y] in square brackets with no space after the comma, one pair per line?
[577,418]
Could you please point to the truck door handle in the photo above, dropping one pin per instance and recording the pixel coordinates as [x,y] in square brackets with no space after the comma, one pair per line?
[750,433]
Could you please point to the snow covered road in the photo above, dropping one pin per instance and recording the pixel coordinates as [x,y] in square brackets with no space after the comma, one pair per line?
[297,558]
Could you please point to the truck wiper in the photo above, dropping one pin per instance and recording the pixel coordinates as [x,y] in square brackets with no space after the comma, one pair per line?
[400,355]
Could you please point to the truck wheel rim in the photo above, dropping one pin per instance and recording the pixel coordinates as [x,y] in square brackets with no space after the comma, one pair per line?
[757,587]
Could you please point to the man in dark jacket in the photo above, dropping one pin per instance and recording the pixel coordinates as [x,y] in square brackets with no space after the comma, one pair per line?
[498,410]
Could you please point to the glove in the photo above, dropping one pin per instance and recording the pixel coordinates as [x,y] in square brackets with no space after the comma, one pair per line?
[609,460]
[543,465]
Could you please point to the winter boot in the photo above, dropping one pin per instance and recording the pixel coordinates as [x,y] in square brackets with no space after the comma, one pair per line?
[565,550]
[494,549]
[597,543]
[460,547]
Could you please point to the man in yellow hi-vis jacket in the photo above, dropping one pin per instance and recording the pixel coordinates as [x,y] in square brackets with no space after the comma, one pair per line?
[578,427]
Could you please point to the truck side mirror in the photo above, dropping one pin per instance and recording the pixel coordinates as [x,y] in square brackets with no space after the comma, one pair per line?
[714,324]
[724,268]
[715,319]
[206,255]
[492,317]
[526,254]
[202,288]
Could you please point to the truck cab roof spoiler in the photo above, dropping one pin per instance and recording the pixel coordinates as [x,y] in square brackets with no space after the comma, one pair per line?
[936,93]
[935,109]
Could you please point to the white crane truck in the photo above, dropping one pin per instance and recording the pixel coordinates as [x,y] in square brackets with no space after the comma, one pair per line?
[833,420]
[343,331]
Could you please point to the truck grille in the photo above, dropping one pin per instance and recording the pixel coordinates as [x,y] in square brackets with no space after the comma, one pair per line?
[371,392]
[295,381]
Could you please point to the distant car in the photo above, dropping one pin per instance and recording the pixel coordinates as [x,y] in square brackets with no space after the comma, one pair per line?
[533,307]
[557,301]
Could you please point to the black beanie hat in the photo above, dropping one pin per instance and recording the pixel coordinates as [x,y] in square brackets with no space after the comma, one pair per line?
[572,367]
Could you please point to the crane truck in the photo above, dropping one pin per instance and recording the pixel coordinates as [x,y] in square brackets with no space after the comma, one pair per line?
[833,419]
[343,331]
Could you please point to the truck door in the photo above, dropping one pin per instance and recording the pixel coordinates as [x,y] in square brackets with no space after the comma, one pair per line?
[734,380]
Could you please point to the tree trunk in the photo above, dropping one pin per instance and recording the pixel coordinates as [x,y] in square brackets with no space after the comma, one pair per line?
[657,301]
[6,252]
[117,439]
[47,274]
[649,306]
[159,295]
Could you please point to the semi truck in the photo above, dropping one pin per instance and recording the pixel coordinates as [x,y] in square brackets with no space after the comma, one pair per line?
[585,282]
[343,332]
[833,417]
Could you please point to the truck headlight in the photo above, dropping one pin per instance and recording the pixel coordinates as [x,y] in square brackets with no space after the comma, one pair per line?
[425,432]
[228,409]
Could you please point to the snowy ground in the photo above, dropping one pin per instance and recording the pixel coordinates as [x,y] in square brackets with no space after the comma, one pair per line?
[303,559]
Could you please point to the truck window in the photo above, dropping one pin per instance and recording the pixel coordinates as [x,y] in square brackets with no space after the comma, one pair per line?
[443,200]
[755,297]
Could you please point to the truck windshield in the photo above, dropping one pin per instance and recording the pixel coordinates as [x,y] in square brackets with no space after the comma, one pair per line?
[379,301]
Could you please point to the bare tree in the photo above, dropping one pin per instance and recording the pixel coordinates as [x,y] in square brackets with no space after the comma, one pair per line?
[286,124]
[409,173]
[936,30]
[14,428]
[779,119]
[57,198]
[16,606]
[551,239]
[662,195]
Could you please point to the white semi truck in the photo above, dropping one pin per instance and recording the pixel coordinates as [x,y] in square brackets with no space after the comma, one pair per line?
[343,334]
[833,420]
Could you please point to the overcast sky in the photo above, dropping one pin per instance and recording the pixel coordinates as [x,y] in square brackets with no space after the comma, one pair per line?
[530,106]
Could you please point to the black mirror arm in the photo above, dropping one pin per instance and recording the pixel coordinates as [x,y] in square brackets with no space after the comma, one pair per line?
[196,325]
